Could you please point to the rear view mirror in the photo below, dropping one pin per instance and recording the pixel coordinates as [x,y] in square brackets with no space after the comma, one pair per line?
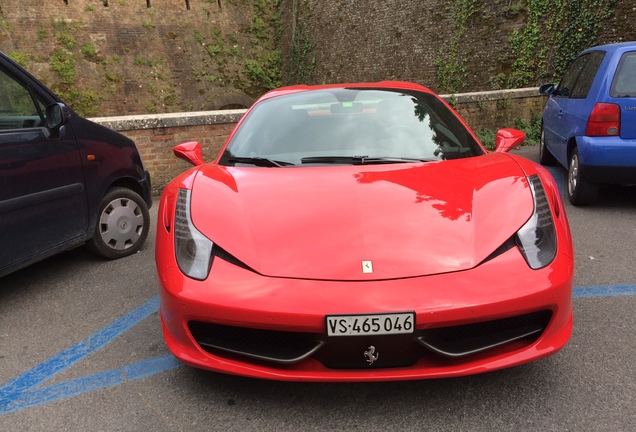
[346,107]
[507,139]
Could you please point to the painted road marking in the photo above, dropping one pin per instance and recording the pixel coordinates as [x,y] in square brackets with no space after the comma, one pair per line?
[25,390]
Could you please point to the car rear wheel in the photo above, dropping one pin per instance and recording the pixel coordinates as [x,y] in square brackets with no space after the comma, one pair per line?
[545,157]
[580,190]
[122,224]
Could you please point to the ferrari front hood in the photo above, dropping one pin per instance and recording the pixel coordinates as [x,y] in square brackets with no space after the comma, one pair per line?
[363,222]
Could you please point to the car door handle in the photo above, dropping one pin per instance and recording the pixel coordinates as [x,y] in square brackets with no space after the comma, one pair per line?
[560,113]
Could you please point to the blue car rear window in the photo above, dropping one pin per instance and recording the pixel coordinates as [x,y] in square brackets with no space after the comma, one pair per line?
[624,83]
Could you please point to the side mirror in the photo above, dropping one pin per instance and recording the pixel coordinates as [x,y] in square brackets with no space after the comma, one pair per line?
[190,152]
[57,115]
[547,89]
[507,139]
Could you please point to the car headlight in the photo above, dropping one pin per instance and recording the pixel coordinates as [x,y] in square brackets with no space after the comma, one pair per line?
[537,238]
[192,249]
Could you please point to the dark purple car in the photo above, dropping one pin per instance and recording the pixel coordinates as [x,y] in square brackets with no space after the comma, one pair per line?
[64,181]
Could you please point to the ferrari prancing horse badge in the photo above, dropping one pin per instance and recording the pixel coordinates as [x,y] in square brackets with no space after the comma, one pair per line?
[367,267]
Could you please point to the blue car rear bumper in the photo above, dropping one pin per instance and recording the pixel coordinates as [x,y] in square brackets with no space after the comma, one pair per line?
[608,159]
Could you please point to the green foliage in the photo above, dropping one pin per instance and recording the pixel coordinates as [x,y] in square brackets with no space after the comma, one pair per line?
[114,77]
[513,10]
[42,33]
[5,27]
[151,107]
[63,33]
[257,72]
[89,50]
[143,61]
[302,60]
[198,36]
[556,31]
[214,49]
[20,58]
[450,65]
[171,99]
[487,138]
[63,63]
[531,128]
[262,61]
[84,101]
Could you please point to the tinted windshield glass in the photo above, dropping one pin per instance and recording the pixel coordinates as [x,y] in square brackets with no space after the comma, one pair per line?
[624,84]
[341,123]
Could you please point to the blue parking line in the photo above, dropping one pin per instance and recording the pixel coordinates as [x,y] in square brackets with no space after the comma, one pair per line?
[604,291]
[67,358]
[24,391]
[89,383]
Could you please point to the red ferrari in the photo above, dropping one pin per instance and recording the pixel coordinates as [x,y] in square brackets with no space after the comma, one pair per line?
[360,232]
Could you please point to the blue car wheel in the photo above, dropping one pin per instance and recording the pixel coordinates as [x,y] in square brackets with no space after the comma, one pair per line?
[545,157]
[580,190]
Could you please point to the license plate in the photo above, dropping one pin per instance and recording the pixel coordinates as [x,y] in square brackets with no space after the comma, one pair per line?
[375,324]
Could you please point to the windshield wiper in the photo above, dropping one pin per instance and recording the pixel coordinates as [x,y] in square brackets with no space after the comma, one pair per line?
[358,160]
[259,161]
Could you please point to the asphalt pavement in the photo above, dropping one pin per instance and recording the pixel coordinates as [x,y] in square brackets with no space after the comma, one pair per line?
[81,349]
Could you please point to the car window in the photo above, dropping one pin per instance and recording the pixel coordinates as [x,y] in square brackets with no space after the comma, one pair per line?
[345,123]
[624,83]
[586,77]
[578,79]
[17,107]
[569,78]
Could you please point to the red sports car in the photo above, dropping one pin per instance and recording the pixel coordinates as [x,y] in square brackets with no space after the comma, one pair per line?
[360,232]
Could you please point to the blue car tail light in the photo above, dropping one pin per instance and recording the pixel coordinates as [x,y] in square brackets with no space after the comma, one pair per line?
[605,120]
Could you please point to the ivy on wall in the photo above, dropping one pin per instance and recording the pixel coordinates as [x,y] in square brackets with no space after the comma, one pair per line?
[264,66]
[555,32]
[451,69]
[302,60]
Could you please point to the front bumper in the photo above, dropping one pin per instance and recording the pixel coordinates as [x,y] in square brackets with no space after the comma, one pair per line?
[500,289]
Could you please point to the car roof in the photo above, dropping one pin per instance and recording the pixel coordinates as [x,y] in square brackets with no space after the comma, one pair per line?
[610,48]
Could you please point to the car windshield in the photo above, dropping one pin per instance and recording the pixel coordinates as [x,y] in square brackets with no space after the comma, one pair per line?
[349,126]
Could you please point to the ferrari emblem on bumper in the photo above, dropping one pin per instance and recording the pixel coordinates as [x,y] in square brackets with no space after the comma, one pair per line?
[371,355]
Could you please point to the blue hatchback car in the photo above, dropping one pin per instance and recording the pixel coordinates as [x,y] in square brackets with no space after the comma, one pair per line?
[589,121]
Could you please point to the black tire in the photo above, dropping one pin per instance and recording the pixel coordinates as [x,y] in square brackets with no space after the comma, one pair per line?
[122,226]
[580,190]
[545,157]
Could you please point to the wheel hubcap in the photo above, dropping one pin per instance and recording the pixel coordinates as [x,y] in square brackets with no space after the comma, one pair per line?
[573,174]
[121,224]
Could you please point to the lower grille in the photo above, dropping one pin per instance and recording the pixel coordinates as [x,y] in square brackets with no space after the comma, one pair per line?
[271,345]
[464,340]
[455,342]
